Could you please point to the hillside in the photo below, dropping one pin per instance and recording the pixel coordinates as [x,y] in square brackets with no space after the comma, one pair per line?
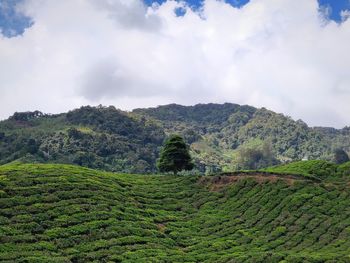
[113,140]
[218,132]
[63,213]
[96,137]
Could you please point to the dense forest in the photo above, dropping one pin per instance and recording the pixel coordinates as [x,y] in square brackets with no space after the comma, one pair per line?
[222,137]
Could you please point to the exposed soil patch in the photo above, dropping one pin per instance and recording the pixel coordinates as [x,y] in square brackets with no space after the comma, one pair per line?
[161,227]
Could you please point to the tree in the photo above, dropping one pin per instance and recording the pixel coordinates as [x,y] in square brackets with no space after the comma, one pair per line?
[256,155]
[174,156]
[32,146]
[26,116]
[340,156]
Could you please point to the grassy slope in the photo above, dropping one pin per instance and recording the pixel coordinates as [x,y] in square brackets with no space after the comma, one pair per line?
[319,169]
[61,213]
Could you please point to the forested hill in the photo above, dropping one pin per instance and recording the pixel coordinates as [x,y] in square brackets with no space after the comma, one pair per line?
[222,137]
[97,137]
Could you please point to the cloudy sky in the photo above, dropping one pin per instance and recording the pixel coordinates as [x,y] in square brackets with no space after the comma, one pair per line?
[286,55]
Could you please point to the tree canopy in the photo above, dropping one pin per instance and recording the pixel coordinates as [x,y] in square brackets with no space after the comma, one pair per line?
[219,136]
[340,156]
[174,156]
[256,155]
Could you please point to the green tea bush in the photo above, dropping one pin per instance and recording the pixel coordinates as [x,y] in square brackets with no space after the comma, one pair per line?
[70,214]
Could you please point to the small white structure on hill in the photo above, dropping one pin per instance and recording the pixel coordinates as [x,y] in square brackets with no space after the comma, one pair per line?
[305,158]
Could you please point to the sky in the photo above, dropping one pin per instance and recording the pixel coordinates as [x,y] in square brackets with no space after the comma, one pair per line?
[289,56]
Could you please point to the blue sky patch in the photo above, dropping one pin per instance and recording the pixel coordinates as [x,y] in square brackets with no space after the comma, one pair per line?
[180,11]
[335,7]
[12,23]
[195,4]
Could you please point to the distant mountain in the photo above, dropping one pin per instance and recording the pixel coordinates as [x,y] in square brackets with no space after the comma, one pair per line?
[111,139]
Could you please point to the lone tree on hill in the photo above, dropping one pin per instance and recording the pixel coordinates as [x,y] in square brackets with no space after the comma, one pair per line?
[340,156]
[174,156]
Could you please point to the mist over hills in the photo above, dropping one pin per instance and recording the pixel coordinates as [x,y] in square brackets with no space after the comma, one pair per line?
[114,140]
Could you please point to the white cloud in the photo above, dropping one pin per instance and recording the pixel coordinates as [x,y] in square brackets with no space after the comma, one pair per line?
[344,14]
[272,53]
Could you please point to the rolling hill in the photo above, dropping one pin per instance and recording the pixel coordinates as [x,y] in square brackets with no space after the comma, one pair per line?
[113,140]
[64,213]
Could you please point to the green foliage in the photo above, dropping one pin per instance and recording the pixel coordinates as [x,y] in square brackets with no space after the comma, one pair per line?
[174,156]
[64,213]
[114,140]
[26,116]
[344,169]
[223,129]
[318,168]
[256,156]
[95,137]
[340,156]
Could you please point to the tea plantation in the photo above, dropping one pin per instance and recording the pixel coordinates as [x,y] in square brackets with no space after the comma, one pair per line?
[63,213]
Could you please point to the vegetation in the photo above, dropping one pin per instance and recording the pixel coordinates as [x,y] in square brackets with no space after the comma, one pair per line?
[63,213]
[218,133]
[96,137]
[256,156]
[220,136]
[321,169]
[174,156]
[340,156]
[344,169]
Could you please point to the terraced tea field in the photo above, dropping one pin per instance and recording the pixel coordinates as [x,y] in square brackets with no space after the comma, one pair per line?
[61,213]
